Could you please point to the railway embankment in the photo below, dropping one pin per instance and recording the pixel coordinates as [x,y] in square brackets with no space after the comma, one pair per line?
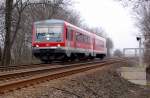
[104,82]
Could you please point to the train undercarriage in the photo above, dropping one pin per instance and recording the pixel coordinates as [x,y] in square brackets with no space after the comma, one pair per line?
[49,55]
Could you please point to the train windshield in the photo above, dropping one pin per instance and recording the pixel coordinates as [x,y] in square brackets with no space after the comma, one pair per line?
[52,33]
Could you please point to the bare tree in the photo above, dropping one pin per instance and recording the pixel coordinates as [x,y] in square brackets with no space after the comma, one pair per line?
[99,31]
[109,46]
[142,13]
[2,20]
[8,18]
[21,15]
[24,14]
[118,53]
[69,15]
[144,24]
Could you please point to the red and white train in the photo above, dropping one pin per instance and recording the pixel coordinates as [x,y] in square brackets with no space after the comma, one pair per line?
[58,39]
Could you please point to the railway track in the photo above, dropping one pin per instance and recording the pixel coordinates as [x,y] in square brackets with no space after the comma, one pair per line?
[21,78]
[19,67]
[54,63]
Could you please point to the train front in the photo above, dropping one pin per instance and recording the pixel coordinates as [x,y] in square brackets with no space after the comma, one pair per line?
[48,40]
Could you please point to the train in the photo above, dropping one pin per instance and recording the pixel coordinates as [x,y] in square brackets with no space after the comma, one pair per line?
[55,39]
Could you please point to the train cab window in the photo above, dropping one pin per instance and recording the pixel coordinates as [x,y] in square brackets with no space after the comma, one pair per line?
[50,33]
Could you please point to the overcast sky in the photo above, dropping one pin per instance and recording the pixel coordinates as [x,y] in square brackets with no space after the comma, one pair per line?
[113,18]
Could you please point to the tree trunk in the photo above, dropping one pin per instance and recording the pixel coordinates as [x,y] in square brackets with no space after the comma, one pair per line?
[8,17]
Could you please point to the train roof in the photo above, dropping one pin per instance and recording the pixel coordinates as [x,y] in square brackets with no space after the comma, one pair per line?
[50,21]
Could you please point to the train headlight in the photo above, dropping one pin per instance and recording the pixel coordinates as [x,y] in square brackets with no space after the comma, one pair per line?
[58,45]
[47,38]
[37,45]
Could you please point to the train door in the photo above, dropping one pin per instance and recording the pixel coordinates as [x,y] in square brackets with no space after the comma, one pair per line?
[68,41]
[74,39]
[94,53]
